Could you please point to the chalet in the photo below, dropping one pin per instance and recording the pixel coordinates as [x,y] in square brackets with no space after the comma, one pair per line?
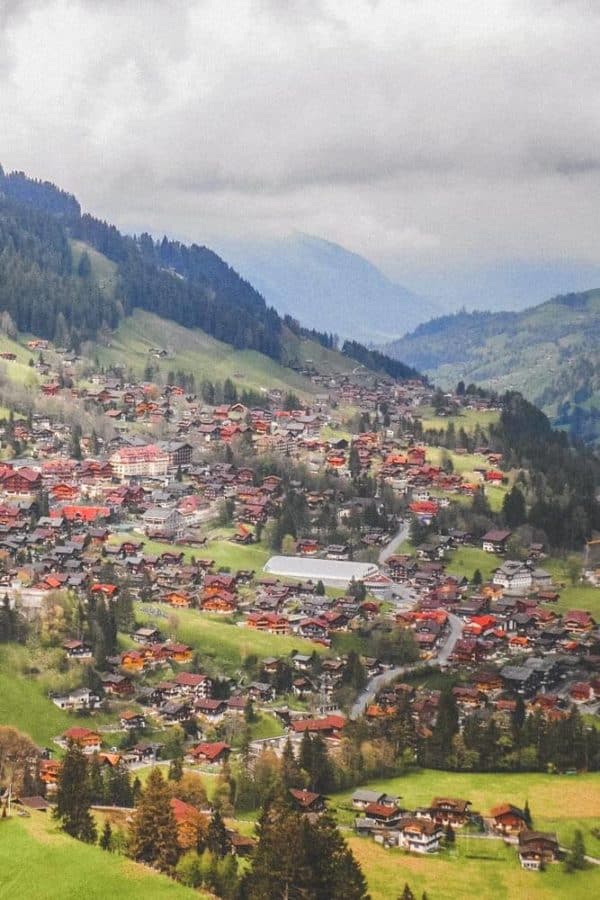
[329,725]
[132,721]
[417,835]
[378,814]
[579,622]
[146,636]
[211,753]
[270,622]
[191,684]
[496,541]
[449,811]
[89,741]
[307,801]
[174,712]
[116,685]
[77,649]
[537,847]
[508,819]
[22,481]
[211,709]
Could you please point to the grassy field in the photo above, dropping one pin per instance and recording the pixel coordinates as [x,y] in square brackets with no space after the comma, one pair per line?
[24,701]
[227,644]
[477,868]
[578,596]
[465,560]
[468,419]
[38,862]
[486,870]
[225,553]
[103,269]
[194,351]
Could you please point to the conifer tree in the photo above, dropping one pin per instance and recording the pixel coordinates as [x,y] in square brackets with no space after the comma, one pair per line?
[73,798]
[154,829]
[106,837]
[217,839]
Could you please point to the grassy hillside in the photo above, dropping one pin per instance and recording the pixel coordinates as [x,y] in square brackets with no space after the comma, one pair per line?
[228,644]
[38,862]
[549,352]
[193,351]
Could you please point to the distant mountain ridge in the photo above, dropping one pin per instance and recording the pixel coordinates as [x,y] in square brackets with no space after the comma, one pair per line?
[336,290]
[44,292]
[550,352]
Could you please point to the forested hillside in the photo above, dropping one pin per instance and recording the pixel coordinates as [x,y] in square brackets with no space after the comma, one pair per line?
[550,352]
[47,294]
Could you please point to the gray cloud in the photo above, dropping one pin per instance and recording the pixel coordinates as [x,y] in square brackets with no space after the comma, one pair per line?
[420,133]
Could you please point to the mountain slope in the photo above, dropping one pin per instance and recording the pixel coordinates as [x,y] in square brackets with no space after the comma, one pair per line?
[71,278]
[550,352]
[335,290]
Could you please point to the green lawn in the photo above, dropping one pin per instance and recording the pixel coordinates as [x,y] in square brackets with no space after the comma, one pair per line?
[228,645]
[38,862]
[103,269]
[465,560]
[558,803]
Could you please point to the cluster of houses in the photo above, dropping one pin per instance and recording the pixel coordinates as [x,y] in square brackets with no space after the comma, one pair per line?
[425,829]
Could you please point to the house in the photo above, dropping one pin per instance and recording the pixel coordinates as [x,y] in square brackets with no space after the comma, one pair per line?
[362,798]
[81,698]
[449,811]
[418,835]
[537,847]
[131,721]
[191,684]
[513,576]
[382,814]
[146,635]
[307,801]
[496,541]
[210,709]
[89,741]
[211,753]
[77,649]
[329,725]
[508,819]
[577,621]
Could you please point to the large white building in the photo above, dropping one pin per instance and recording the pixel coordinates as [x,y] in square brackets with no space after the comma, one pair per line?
[331,572]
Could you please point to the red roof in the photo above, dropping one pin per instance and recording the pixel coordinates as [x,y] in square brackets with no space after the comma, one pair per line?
[211,751]
[329,723]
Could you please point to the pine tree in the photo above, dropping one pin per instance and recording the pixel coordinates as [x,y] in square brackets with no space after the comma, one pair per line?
[290,771]
[527,814]
[407,894]
[154,829]
[176,768]
[295,858]
[578,851]
[106,837]
[217,839]
[73,798]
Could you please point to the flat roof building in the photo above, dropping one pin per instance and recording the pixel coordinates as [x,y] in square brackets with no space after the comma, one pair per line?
[331,572]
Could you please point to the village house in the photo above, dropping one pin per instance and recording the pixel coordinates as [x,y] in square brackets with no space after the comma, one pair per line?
[537,848]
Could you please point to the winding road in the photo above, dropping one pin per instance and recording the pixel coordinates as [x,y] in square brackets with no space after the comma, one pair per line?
[378,682]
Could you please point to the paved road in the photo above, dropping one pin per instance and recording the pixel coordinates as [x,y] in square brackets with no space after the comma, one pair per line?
[390,548]
[445,651]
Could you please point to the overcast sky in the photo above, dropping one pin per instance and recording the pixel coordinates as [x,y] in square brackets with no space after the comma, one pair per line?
[421,134]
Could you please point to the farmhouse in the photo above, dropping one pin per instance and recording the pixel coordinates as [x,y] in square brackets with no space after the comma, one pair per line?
[496,541]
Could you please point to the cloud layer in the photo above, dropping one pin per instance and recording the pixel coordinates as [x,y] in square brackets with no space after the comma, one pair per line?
[422,134]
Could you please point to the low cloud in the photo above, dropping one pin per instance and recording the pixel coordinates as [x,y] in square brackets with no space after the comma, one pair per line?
[419,133]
